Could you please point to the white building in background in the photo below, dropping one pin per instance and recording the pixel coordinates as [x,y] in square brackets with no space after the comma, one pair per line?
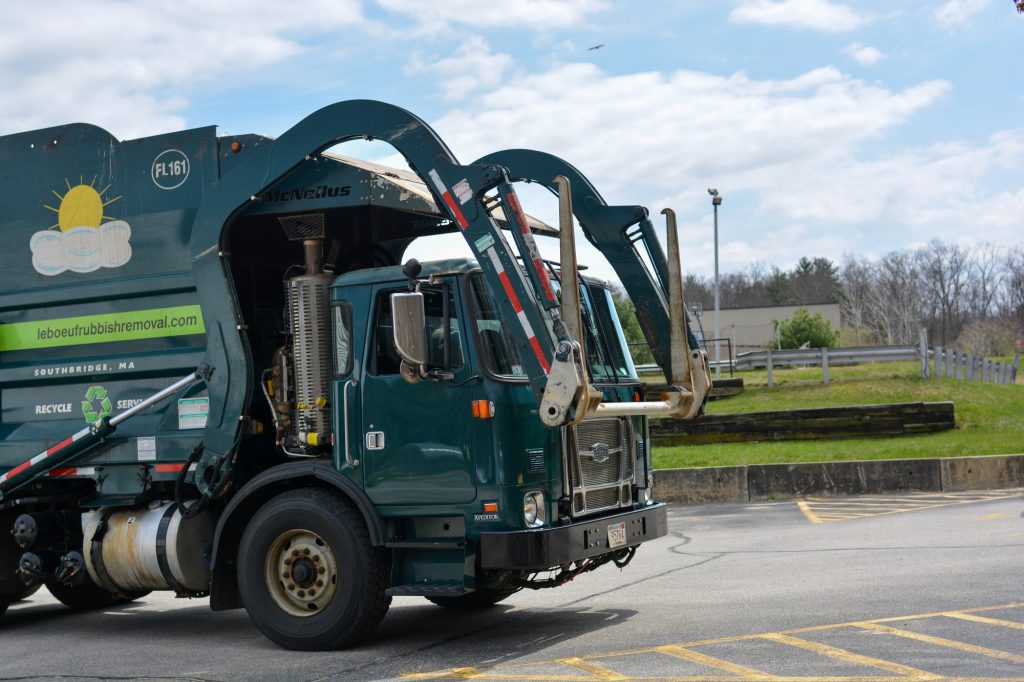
[755,328]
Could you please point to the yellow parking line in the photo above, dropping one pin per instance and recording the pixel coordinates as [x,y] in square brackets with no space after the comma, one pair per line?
[941,641]
[596,671]
[808,512]
[712,662]
[849,656]
[985,619]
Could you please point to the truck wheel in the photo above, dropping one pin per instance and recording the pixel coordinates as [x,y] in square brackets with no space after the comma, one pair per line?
[492,589]
[307,573]
[89,596]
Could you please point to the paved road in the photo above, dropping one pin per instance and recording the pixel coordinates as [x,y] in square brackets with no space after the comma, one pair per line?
[877,588]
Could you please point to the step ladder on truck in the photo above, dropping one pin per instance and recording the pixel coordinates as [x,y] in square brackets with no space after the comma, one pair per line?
[218,379]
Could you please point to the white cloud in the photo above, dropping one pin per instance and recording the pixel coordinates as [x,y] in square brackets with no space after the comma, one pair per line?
[864,54]
[817,15]
[124,65]
[685,127]
[534,14]
[789,155]
[470,68]
[956,12]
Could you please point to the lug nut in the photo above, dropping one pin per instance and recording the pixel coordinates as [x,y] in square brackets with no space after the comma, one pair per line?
[316,558]
[288,562]
[319,583]
[295,552]
[305,552]
[291,587]
[321,570]
[302,593]
[286,575]
[312,593]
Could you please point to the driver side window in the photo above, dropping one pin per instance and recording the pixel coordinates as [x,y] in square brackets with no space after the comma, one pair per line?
[386,361]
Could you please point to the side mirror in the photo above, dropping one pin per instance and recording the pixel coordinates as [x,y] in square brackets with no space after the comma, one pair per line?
[409,327]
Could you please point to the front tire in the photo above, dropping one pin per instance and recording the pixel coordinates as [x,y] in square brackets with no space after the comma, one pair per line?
[307,573]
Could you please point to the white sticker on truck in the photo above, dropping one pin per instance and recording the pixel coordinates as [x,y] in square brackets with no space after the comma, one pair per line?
[462,191]
[192,412]
[146,447]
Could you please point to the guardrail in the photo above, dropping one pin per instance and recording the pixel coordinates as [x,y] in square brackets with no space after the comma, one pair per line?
[935,361]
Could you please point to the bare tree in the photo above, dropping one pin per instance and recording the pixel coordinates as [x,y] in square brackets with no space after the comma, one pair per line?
[856,279]
[894,302]
[946,272]
[987,264]
[1011,296]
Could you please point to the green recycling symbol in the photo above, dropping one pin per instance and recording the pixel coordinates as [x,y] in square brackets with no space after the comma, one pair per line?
[88,405]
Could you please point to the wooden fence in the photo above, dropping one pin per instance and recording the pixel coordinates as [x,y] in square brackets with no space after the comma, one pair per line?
[829,423]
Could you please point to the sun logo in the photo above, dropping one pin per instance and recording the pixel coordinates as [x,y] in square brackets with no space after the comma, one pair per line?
[83,242]
[81,206]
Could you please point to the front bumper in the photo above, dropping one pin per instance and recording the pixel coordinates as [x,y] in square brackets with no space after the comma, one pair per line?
[547,547]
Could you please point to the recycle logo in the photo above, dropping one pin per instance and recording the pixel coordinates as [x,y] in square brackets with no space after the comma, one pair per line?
[95,397]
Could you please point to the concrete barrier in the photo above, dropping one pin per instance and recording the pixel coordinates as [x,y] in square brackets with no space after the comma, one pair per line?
[982,473]
[701,485]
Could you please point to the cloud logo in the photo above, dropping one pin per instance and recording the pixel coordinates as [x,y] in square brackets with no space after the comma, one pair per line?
[81,249]
[82,243]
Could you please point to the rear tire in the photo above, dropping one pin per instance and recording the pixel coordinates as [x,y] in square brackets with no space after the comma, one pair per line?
[307,573]
[491,589]
[89,596]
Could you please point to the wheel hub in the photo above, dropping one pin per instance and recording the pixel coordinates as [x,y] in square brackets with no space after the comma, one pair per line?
[301,572]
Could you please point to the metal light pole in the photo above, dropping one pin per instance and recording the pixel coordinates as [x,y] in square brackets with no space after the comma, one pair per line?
[716,201]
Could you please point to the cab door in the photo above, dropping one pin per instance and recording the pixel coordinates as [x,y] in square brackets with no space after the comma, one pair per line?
[417,438]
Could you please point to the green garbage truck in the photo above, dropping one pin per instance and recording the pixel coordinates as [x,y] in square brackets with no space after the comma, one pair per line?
[221,376]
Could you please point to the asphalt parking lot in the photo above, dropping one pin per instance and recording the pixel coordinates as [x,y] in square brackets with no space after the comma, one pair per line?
[868,588]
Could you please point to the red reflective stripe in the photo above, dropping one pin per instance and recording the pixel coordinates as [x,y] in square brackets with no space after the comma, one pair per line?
[545,282]
[540,354]
[60,446]
[517,208]
[18,469]
[67,471]
[510,292]
[454,208]
[169,468]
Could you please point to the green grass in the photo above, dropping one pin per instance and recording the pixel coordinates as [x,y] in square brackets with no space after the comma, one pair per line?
[989,417]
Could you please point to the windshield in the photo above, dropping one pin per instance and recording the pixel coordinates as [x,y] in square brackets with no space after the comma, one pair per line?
[603,338]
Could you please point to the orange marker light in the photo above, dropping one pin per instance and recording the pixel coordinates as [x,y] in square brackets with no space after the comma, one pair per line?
[490,507]
[483,409]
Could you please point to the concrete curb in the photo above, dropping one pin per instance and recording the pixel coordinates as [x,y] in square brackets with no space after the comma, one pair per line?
[778,481]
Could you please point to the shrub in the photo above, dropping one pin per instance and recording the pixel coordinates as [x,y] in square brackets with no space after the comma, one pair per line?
[803,328]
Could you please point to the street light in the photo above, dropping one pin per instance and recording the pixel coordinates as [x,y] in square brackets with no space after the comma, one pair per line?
[716,201]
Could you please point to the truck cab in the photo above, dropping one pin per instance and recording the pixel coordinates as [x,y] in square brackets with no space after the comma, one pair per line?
[468,442]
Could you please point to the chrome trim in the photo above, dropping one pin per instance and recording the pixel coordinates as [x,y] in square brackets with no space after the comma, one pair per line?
[344,415]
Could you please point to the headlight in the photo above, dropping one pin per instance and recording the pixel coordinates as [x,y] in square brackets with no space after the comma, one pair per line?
[533,509]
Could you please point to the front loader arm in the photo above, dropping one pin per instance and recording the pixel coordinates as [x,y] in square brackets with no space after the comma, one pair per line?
[658,297]
[616,231]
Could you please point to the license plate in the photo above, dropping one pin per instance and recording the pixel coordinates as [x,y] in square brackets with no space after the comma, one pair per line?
[616,534]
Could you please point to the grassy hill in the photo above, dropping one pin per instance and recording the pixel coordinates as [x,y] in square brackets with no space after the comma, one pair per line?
[989,417]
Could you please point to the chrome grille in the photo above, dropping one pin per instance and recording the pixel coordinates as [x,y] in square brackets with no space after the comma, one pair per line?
[600,461]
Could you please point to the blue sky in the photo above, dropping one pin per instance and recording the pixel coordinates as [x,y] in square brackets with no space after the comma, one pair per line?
[828,127]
